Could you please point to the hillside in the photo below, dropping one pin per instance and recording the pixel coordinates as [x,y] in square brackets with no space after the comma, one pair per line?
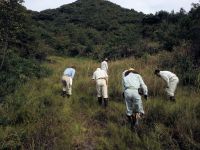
[90,28]
[37,117]
[35,48]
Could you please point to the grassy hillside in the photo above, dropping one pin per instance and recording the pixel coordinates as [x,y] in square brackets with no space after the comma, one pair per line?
[37,117]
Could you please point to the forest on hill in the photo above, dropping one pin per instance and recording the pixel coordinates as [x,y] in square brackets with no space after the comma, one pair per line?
[96,29]
[34,44]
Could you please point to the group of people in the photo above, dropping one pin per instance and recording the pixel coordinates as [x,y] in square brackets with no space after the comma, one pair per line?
[132,84]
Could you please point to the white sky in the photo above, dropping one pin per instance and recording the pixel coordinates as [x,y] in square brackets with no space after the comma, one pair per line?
[146,6]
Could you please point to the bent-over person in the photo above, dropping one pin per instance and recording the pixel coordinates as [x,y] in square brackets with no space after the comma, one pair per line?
[67,80]
[171,80]
[101,78]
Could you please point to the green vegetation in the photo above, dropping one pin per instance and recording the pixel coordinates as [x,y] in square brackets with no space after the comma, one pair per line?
[37,117]
[33,115]
[98,29]
[19,53]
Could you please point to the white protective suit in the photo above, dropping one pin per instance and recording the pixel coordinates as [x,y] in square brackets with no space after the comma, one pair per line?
[101,78]
[104,66]
[131,83]
[171,80]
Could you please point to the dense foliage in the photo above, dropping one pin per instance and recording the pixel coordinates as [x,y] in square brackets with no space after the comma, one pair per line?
[19,48]
[98,28]
[35,116]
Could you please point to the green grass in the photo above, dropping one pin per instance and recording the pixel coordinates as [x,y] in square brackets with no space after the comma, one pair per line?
[37,117]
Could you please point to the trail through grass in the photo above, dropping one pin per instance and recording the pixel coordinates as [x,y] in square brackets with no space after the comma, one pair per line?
[38,117]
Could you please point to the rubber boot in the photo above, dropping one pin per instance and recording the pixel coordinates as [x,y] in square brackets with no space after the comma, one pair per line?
[68,96]
[105,102]
[172,98]
[100,100]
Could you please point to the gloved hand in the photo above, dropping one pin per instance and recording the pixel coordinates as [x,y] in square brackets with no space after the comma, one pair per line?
[145,97]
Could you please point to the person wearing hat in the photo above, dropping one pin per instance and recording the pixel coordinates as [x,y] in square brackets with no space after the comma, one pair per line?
[171,80]
[131,82]
[101,78]
[104,65]
[67,80]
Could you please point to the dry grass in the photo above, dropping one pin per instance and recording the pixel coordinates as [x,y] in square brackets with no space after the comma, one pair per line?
[37,117]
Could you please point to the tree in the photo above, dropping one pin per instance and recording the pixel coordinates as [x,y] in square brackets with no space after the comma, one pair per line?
[9,22]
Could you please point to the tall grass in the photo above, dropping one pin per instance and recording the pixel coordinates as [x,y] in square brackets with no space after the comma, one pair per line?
[37,117]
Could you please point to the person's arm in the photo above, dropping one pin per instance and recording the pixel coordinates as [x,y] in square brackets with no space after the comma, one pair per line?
[106,77]
[73,73]
[123,86]
[94,76]
[106,65]
[143,85]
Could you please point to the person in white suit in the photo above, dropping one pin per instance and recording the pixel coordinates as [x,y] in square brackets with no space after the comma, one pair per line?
[171,80]
[131,82]
[104,65]
[101,78]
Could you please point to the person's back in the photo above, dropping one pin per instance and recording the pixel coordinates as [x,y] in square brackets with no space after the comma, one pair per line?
[70,72]
[168,74]
[104,65]
[134,81]
[99,73]
[101,78]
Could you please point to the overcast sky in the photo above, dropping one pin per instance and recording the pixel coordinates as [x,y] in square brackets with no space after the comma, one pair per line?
[146,6]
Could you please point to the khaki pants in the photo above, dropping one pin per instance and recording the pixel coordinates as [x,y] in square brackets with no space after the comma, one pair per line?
[102,88]
[67,84]
[172,86]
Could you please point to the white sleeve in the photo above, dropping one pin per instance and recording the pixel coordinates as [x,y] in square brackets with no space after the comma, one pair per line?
[107,65]
[123,87]
[143,85]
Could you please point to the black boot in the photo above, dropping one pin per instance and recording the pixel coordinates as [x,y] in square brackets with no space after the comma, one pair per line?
[172,98]
[100,100]
[105,102]
[131,121]
[68,96]
[63,94]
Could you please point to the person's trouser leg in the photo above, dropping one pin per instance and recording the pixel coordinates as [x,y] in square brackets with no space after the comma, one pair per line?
[128,102]
[64,83]
[172,88]
[99,91]
[105,93]
[67,85]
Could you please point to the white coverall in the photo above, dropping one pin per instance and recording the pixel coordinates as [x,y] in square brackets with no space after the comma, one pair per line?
[104,66]
[171,80]
[67,86]
[133,101]
[101,77]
